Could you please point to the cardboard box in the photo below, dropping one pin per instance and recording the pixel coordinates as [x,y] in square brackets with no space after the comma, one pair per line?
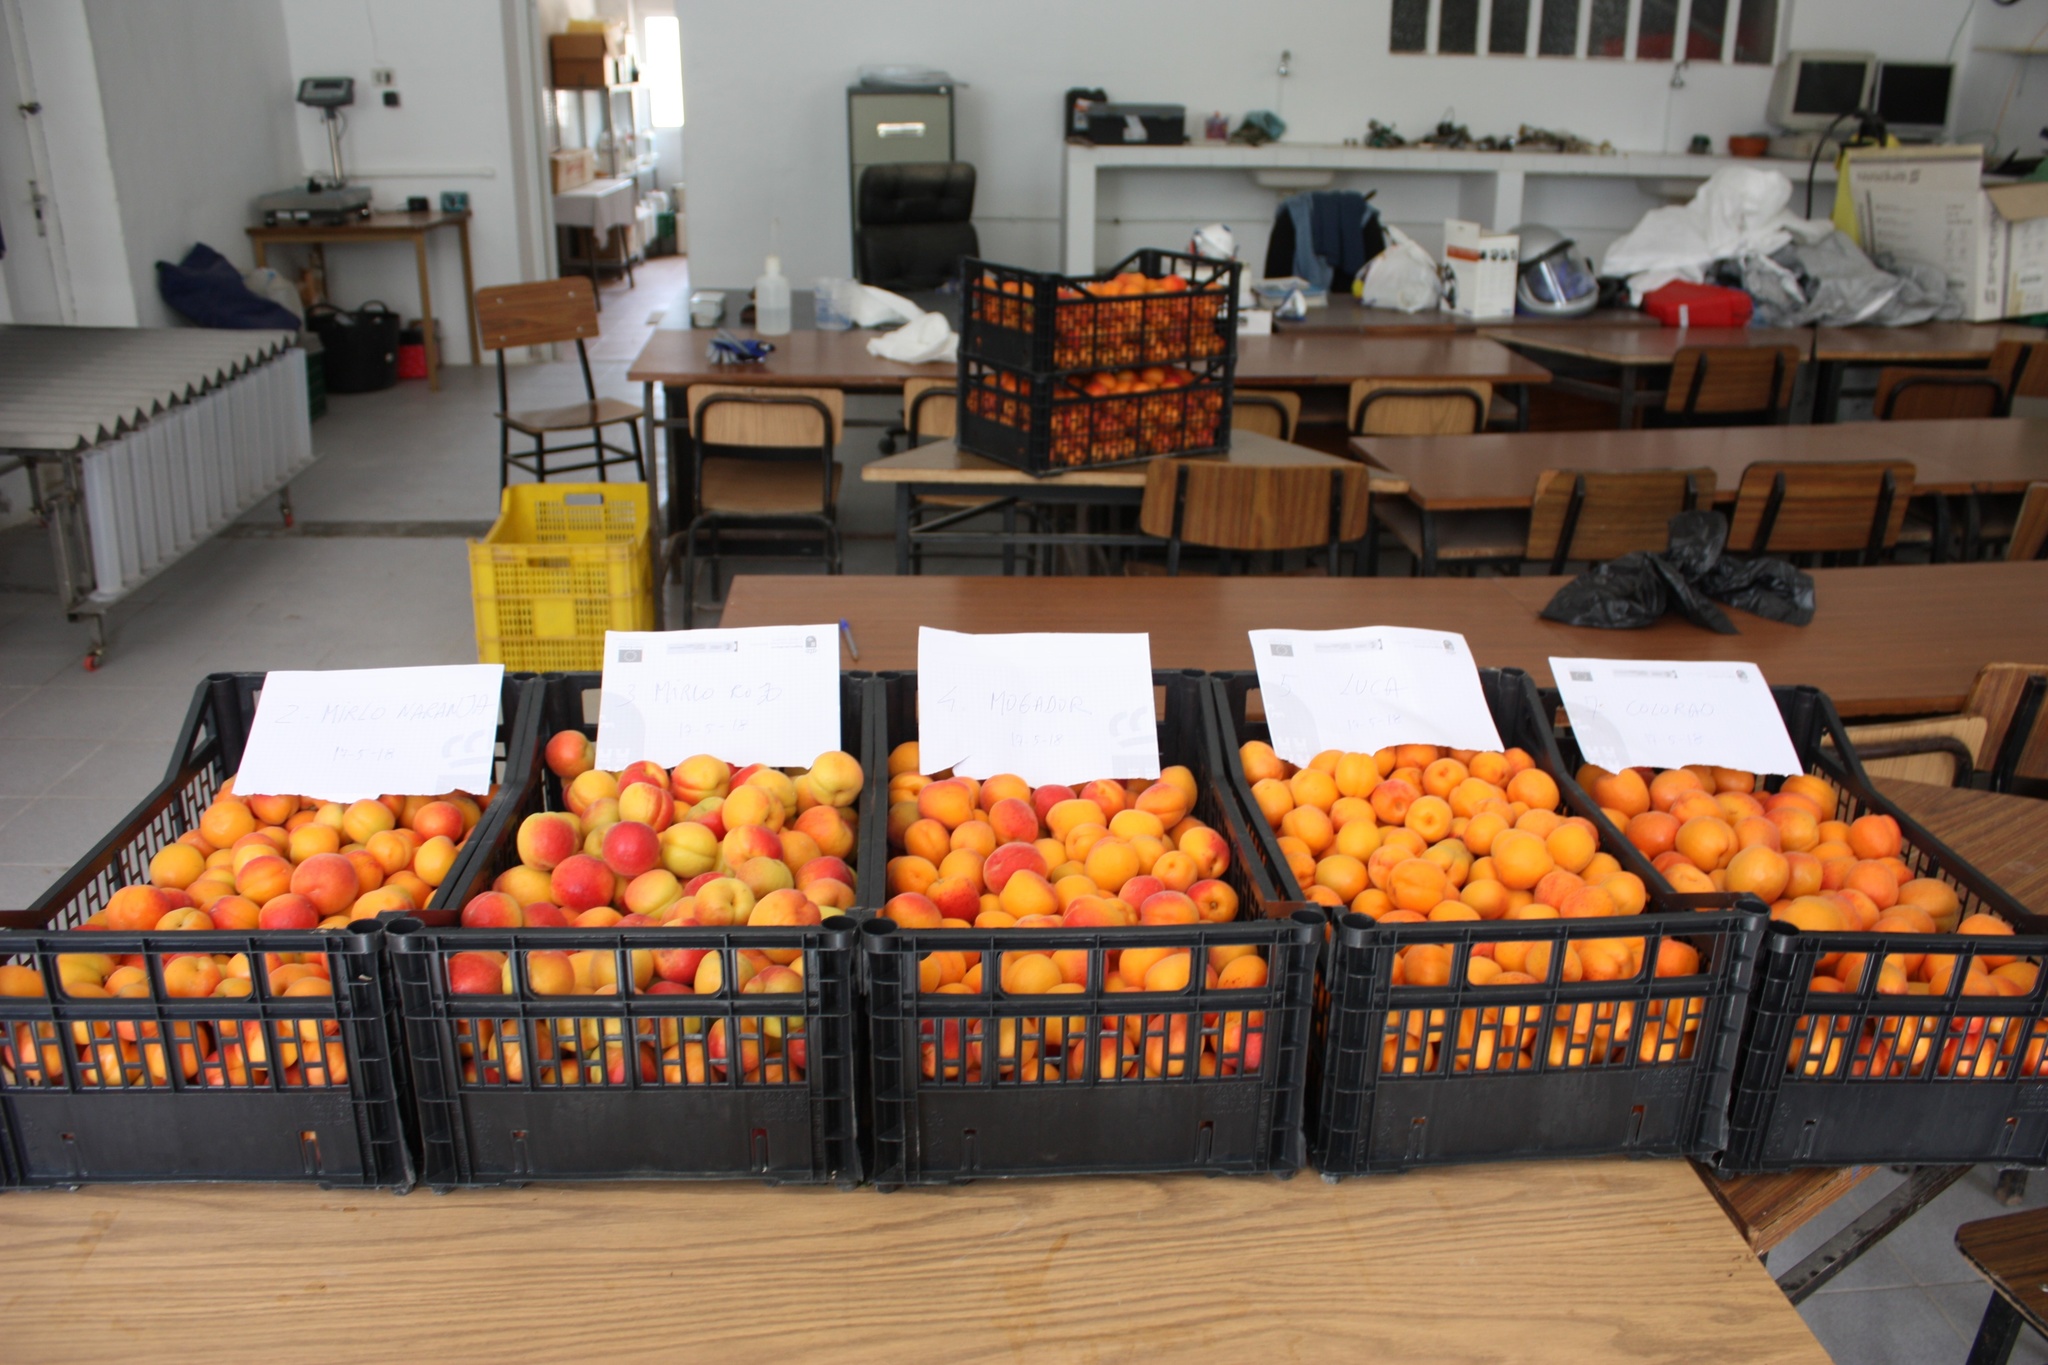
[567,170]
[1929,205]
[1479,270]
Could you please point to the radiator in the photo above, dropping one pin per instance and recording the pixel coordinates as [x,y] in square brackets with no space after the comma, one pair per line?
[166,485]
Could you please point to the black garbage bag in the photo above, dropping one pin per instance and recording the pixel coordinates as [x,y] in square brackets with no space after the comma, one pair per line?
[1690,575]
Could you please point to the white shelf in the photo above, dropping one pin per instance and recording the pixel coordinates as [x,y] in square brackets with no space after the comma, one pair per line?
[2014,51]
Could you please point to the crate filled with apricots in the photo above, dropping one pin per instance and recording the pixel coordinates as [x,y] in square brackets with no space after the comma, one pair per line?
[204,996]
[1900,1013]
[1499,983]
[1152,308]
[1043,424]
[653,972]
[1078,979]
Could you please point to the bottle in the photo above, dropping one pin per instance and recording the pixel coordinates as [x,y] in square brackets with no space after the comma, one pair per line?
[771,300]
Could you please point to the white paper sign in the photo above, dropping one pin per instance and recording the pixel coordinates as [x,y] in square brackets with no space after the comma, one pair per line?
[355,734]
[756,694]
[1364,689]
[1662,713]
[1049,708]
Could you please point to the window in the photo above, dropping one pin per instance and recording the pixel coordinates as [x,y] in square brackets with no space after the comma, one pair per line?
[665,70]
[1645,30]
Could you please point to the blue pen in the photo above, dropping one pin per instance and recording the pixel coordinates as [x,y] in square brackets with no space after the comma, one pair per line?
[852,646]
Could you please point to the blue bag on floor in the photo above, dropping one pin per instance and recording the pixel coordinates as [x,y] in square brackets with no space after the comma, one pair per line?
[206,290]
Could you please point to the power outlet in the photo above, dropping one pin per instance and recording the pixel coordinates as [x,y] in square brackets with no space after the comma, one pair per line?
[382,76]
[390,99]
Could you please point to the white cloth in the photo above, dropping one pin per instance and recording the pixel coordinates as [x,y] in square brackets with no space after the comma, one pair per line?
[925,339]
[1740,211]
[600,206]
[874,307]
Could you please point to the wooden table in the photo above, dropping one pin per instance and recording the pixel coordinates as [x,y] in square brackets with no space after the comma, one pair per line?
[2002,836]
[1583,349]
[1578,1262]
[940,467]
[389,227]
[2012,1253]
[1887,641]
[1962,459]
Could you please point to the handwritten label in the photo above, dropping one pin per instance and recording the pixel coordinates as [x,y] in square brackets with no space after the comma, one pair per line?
[758,694]
[1365,689]
[354,734]
[1049,708]
[1659,713]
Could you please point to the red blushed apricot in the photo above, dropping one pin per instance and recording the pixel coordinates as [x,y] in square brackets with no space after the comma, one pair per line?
[1803,874]
[1391,800]
[1875,836]
[1653,832]
[1874,881]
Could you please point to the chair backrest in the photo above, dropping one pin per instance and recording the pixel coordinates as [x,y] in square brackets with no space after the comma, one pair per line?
[1905,395]
[1731,379]
[768,418]
[2030,527]
[2010,700]
[914,224]
[1229,506]
[1265,411]
[931,409]
[1397,407]
[2022,366]
[1578,514]
[536,314]
[1799,508]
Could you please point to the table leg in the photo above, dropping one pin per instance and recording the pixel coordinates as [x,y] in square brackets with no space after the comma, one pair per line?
[1625,408]
[476,348]
[1997,1334]
[419,248]
[1521,407]
[1827,391]
[1428,544]
[261,259]
[902,529]
[1836,1254]
[590,249]
[647,424]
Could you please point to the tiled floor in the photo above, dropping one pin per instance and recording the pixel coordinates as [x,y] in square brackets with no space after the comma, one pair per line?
[376,573]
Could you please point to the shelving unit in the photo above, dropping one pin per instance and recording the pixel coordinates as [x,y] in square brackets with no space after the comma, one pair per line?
[617,123]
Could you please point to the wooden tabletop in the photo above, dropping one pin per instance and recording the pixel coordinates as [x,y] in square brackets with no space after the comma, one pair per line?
[1893,640]
[376,225]
[1345,314]
[1928,341]
[1768,1208]
[1499,470]
[1634,344]
[2012,1253]
[944,462]
[1568,1261]
[2003,836]
[840,360]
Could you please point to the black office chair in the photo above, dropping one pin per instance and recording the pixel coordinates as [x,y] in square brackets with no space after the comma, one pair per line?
[914,224]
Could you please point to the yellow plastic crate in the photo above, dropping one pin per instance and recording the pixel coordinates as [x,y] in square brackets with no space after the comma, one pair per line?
[564,563]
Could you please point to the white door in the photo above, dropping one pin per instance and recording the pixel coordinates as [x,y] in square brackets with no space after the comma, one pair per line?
[28,213]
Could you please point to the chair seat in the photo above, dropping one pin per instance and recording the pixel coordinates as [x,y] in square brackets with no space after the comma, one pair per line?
[572,417]
[954,500]
[764,488]
[1460,536]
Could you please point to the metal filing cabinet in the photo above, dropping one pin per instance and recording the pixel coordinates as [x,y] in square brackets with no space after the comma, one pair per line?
[890,124]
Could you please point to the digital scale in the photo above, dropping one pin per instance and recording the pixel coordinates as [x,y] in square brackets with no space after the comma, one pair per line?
[336,201]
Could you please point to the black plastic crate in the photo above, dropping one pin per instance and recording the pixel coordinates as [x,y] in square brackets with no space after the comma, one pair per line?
[71,1114]
[1049,424]
[1076,1117]
[486,1119]
[1862,1078]
[1405,1076]
[1049,323]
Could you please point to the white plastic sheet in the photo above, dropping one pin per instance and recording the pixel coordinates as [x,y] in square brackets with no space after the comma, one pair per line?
[1740,212]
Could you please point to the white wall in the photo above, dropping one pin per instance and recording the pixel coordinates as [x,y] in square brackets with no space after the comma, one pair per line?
[459,126]
[2016,87]
[197,101]
[768,125]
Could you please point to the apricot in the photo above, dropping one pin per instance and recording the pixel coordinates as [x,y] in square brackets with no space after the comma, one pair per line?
[1417,884]
[1875,836]
[1310,825]
[1653,832]
[1707,842]
[1572,845]
[1521,859]
[1624,791]
[1760,871]
[1666,787]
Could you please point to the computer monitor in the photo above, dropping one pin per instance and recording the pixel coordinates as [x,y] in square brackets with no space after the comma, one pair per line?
[1812,88]
[1912,97]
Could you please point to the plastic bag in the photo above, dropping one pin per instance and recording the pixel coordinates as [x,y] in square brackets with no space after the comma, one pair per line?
[1740,211]
[1691,574]
[1402,277]
[925,339]
[1833,284]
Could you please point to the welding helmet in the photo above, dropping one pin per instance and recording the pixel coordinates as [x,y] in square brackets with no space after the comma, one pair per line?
[1555,279]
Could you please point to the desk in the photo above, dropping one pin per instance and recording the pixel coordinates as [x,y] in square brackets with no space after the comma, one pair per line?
[1946,622]
[600,210]
[390,227]
[940,467]
[1578,1261]
[1944,344]
[2002,835]
[1629,350]
[2011,1253]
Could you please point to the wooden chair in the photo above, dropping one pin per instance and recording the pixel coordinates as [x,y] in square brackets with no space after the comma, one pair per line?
[2022,366]
[1848,508]
[1909,395]
[1396,407]
[1269,412]
[1226,506]
[2030,528]
[1998,732]
[931,412]
[1717,383]
[761,464]
[1596,516]
[539,314]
